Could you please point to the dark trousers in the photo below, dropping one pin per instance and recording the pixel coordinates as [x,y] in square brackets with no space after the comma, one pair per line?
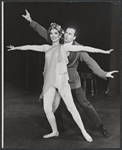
[80,97]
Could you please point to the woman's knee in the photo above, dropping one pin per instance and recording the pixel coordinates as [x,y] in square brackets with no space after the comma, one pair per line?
[71,109]
[47,110]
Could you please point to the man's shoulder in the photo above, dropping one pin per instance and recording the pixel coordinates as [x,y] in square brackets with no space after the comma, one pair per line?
[76,43]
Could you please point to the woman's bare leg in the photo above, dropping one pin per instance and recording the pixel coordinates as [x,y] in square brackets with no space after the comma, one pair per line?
[48,101]
[56,101]
[68,100]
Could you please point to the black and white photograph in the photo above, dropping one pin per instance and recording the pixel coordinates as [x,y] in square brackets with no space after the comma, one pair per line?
[61,74]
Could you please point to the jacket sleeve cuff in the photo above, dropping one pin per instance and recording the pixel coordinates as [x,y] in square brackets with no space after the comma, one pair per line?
[105,73]
[33,24]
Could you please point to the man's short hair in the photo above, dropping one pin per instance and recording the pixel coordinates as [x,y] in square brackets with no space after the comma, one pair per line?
[73,27]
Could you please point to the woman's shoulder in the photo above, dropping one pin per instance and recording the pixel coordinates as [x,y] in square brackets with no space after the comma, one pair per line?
[47,47]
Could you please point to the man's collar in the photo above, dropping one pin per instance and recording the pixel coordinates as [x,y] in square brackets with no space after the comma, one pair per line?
[70,43]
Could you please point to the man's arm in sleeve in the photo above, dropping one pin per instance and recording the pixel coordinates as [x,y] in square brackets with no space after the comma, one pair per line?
[92,64]
[40,30]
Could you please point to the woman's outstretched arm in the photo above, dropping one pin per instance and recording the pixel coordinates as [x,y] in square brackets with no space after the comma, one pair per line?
[39,48]
[85,48]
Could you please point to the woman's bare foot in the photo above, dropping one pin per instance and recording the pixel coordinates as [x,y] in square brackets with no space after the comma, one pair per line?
[87,137]
[53,134]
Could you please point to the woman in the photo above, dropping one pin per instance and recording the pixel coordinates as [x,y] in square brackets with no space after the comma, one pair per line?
[56,78]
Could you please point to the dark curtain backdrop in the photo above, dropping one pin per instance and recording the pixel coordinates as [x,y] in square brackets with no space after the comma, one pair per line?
[97,24]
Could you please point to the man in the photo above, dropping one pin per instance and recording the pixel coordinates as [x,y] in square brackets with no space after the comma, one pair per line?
[74,78]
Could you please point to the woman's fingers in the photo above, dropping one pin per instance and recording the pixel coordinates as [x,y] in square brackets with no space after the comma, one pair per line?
[10,47]
[111,50]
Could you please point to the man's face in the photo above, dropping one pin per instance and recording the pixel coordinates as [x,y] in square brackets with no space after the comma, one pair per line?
[69,35]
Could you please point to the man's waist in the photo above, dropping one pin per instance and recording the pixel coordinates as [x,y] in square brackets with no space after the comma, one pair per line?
[73,72]
[72,68]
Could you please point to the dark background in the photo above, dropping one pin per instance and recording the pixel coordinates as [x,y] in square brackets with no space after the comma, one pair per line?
[98,25]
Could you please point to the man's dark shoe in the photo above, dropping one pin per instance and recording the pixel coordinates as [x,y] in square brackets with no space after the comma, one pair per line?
[103,131]
[61,129]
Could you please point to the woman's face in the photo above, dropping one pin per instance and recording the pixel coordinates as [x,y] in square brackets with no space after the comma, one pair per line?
[54,35]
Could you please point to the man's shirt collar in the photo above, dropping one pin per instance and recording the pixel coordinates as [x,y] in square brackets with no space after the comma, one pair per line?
[70,43]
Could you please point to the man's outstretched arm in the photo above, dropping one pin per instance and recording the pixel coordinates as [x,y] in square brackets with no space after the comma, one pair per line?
[92,64]
[38,28]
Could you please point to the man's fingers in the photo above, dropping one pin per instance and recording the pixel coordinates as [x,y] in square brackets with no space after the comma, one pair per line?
[27,13]
[23,16]
[112,76]
[114,71]
[26,10]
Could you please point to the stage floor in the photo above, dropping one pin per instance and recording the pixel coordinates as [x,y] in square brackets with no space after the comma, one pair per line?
[25,122]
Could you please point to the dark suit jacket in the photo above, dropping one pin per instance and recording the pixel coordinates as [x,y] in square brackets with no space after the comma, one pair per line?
[74,59]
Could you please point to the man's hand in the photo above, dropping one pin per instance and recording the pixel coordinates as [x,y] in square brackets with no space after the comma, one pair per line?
[27,16]
[109,74]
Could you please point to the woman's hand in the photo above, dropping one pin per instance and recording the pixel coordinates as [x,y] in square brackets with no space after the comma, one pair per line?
[11,47]
[109,51]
